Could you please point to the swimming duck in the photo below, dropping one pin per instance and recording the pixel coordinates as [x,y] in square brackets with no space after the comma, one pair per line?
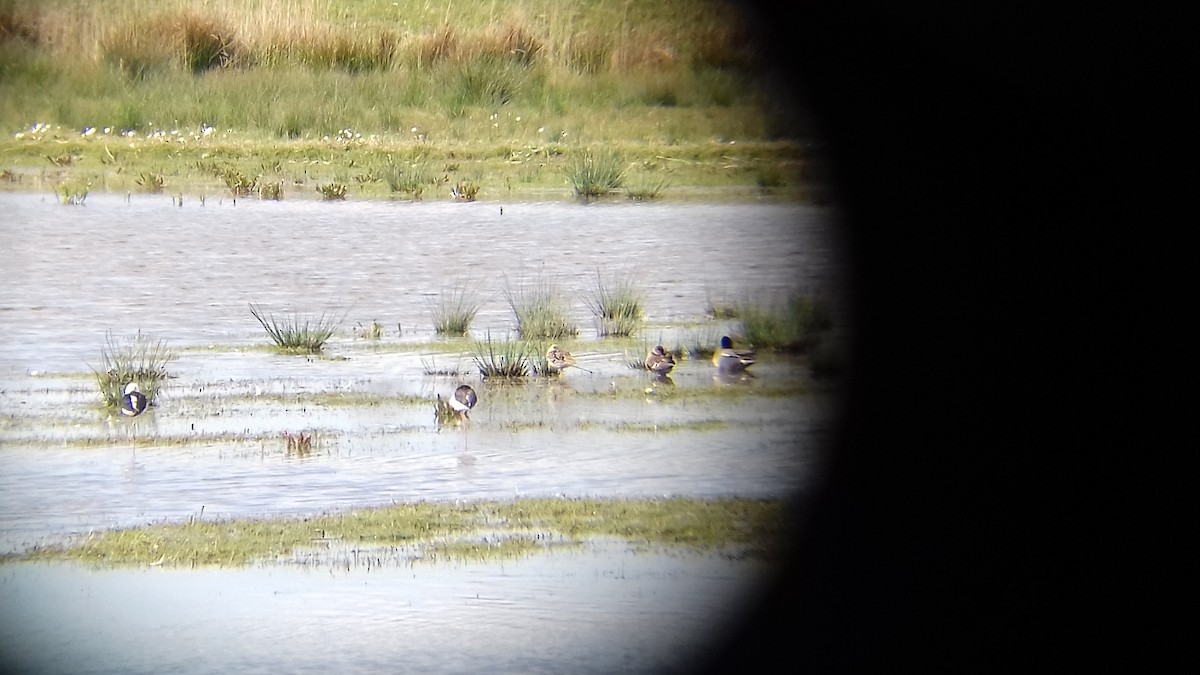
[558,360]
[659,362]
[133,403]
[727,360]
[463,400]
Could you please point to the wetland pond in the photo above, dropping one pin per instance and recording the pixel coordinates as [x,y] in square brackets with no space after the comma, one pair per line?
[212,445]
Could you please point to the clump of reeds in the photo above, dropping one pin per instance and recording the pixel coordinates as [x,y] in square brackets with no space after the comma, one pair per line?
[538,363]
[501,360]
[296,333]
[271,190]
[617,304]
[454,310]
[299,444]
[464,191]
[150,181]
[237,182]
[540,310]
[794,324]
[408,178]
[595,174]
[332,191]
[139,359]
[372,332]
[71,193]
[484,80]
[647,188]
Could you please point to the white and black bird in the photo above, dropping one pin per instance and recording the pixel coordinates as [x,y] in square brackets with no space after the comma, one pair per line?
[133,402]
[463,400]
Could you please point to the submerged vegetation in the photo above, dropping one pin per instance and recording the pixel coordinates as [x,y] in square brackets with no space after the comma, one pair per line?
[436,530]
[140,359]
[297,333]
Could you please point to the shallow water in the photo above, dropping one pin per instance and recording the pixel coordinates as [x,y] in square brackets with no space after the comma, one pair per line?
[603,611]
[212,443]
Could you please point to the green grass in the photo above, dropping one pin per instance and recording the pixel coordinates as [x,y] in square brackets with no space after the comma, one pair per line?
[501,359]
[441,531]
[794,324]
[617,302]
[520,96]
[296,333]
[540,309]
[139,359]
[594,174]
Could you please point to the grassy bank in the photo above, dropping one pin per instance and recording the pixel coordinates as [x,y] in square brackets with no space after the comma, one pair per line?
[186,97]
[436,530]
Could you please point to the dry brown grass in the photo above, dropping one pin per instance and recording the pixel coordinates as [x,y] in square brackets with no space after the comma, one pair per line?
[147,34]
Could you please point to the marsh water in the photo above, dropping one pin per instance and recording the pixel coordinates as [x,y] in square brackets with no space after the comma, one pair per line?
[212,444]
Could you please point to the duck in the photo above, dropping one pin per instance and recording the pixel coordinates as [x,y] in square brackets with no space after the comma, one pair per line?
[134,402]
[728,360]
[558,360]
[463,400]
[659,362]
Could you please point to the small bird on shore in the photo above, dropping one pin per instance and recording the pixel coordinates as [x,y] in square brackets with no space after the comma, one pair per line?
[133,403]
[659,362]
[728,360]
[559,359]
[463,400]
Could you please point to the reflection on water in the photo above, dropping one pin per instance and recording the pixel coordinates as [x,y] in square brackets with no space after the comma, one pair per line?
[603,611]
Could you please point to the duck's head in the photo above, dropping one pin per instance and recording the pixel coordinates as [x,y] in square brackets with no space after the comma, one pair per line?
[130,388]
[659,351]
[726,343]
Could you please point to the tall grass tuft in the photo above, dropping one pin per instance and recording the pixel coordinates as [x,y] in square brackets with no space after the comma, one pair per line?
[501,360]
[408,177]
[794,324]
[139,359]
[595,174]
[617,302]
[540,310]
[454,310]
[332,191]
[296,333]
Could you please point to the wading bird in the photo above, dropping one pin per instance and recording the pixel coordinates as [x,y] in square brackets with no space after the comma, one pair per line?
[659,362]
[463,400]
[133,403]
[728,361]
[558,360]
